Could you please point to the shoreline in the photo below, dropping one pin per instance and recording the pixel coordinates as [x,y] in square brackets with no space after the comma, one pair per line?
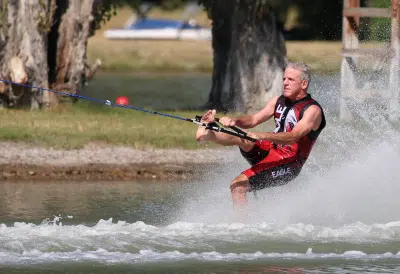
[99,172]
[26,162]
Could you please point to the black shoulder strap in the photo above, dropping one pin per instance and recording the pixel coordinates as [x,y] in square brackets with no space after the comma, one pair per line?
[283,114]
[277,102]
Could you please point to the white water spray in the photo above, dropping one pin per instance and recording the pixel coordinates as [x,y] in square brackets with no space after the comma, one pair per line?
[351,177]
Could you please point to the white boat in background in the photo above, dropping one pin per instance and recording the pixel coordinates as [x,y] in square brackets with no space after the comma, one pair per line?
[140,26]
[161,29]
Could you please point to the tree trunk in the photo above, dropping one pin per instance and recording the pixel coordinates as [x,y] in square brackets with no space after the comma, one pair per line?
[249,55]
[43,43]
[74,29]
[3,44]
[24,57]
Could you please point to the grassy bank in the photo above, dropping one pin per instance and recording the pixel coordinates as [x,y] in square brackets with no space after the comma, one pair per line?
[324,57]
[86,122]
[190,56]
[76,126]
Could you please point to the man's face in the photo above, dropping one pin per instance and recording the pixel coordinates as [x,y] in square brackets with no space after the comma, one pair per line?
[292,85]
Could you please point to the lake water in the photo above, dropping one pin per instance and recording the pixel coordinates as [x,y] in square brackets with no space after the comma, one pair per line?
[341,215]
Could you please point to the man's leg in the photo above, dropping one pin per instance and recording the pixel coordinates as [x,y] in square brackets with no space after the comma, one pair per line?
[207,135]
[239,187]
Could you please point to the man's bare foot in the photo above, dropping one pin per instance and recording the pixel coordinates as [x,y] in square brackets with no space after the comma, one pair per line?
[202,133]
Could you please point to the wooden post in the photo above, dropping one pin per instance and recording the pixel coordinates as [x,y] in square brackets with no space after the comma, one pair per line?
[349,42]
[394,66]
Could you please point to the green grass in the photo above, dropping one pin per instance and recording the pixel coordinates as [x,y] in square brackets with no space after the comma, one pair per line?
[187,56]
[76,126]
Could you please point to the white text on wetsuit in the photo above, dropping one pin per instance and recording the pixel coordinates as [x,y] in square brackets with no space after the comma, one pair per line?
[281,172]
[280,110]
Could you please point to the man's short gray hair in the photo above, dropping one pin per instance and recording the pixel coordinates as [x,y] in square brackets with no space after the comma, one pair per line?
[305,72]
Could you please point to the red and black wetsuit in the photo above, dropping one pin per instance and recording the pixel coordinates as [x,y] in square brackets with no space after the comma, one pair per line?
[274,164]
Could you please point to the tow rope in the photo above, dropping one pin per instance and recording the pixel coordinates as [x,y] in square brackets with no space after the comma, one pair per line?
[215,126]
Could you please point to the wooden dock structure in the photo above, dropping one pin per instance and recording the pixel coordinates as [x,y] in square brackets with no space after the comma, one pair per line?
[351,52]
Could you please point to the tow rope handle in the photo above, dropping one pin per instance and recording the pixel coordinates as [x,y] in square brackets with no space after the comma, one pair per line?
[236,131]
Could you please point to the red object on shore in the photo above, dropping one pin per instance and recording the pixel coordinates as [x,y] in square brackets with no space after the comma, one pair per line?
[122,100]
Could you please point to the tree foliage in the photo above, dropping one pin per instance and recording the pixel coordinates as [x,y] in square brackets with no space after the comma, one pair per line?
[103,10]
[319,19]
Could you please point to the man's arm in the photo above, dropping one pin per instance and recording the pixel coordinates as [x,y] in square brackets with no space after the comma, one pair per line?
[311,121]
[250,121]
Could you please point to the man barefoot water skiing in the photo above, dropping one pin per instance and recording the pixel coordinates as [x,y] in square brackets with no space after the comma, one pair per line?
[276,157]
